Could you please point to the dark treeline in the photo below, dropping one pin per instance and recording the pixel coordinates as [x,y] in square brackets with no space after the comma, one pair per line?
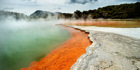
[65,15]
[122,11]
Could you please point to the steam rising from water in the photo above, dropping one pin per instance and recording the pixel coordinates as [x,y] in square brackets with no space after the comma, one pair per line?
[22,42]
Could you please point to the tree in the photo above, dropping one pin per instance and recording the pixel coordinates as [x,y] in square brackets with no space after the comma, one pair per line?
[77,14]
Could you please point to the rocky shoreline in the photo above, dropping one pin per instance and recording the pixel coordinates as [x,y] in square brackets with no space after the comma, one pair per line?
[109,51]
[63,57]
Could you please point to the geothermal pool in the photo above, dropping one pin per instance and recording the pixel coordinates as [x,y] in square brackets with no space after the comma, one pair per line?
[23,42]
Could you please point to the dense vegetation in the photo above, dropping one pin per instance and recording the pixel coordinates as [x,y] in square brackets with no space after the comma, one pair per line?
[122,11]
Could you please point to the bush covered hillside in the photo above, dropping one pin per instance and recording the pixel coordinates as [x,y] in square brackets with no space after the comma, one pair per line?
[122,11]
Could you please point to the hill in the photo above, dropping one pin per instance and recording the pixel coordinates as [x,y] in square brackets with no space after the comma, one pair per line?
[123,11]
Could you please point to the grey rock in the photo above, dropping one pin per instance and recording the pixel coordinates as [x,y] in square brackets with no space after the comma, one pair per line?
[109,51]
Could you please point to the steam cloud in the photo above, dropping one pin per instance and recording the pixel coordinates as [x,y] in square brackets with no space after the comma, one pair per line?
[19,40]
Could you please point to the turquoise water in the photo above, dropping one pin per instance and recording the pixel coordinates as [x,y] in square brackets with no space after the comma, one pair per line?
[23,42]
